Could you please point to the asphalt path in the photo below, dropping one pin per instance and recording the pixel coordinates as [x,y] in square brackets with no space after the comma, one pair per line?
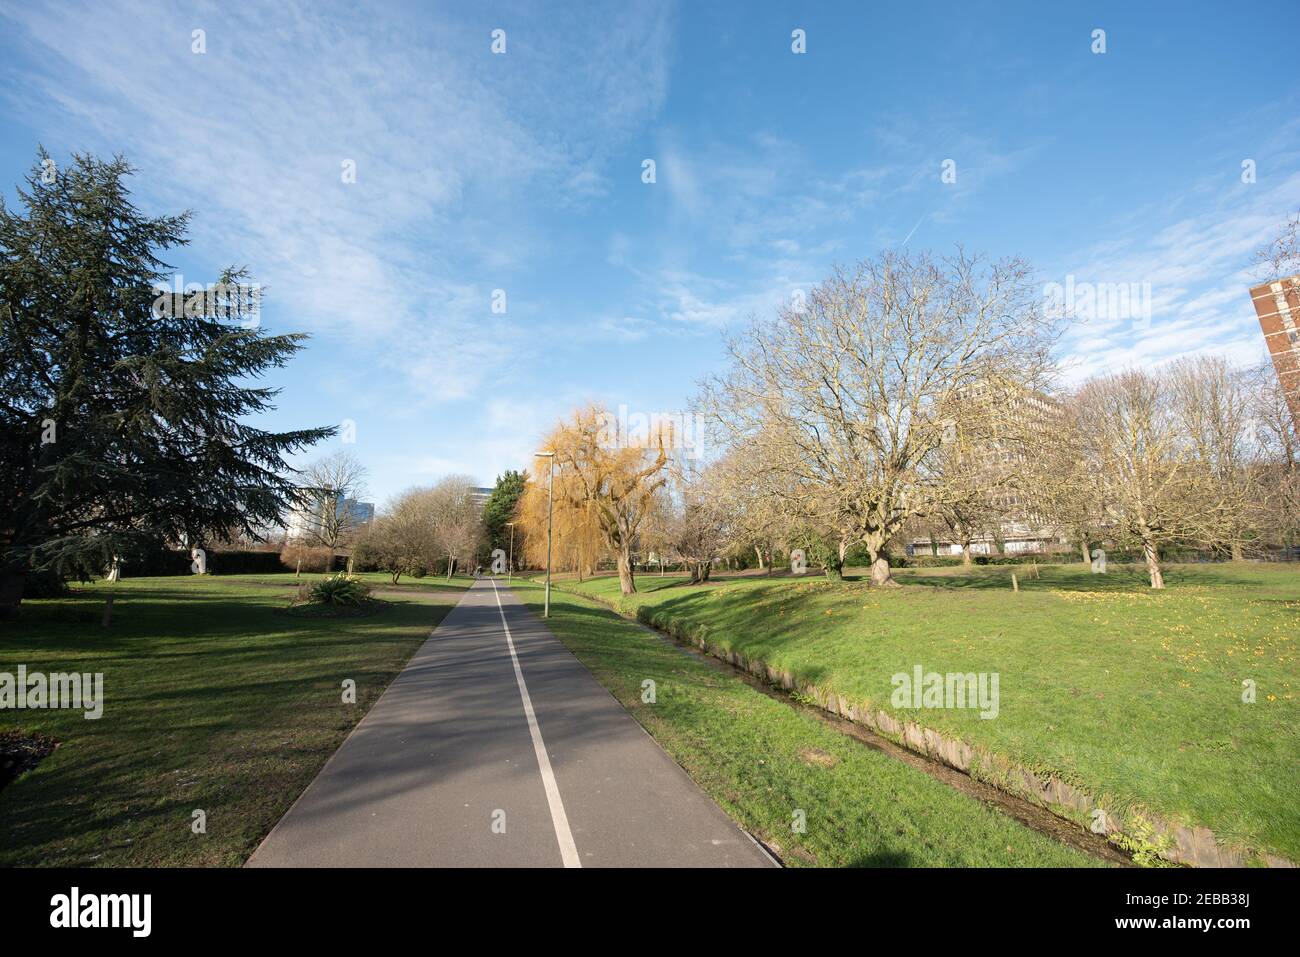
[495,747]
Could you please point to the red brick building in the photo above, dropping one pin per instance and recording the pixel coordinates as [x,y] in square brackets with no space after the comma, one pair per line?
[1278,306]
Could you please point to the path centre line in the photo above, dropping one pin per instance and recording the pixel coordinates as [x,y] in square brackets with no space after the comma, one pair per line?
[568,850]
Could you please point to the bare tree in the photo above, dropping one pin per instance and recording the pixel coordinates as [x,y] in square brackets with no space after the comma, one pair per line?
[697,528]
[968,518]
[754,518]
[978,470]
[1140,468]
[844,405]
[404,538]
[456,519]
[1212,406]
[1281,257]
[1275,429]
[1278,488]
[926,528]
[1056,472]
[327,507]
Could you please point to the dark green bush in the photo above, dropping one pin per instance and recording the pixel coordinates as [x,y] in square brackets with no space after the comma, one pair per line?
[173,561]
[44,585]
[1033,559]
[339,590]
[926,561]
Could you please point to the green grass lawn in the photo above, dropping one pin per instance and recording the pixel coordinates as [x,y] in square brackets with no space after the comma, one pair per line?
[215,699]
[761,760]
[1132,695]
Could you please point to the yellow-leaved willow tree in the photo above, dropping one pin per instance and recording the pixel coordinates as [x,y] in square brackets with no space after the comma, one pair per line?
[577,546]
[607,488]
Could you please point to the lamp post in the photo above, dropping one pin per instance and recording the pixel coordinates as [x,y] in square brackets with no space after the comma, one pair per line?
[510,565]
[550,485]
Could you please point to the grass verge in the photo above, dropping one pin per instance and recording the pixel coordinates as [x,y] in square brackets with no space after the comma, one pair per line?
[215,699]
[763,761]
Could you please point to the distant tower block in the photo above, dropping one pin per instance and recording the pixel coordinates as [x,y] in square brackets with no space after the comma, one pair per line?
[1278,306]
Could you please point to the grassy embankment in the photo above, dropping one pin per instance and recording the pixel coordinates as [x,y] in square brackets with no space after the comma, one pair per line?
[1134,696]
[763,761]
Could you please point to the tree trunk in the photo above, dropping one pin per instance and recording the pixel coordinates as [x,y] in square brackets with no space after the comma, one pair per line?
[12,583]
[626,580]
[700,572]
[329,563]
[965,553]
[1153,563]
[880,571]
[451,566]
[1238,553]
[1087,552]
[759,552]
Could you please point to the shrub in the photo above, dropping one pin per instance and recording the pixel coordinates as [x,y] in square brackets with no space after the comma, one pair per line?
[339,590]
[165,561]
[44,585]
[242,561]
[1027,558]
[176,561]
[926,561]
[313,559]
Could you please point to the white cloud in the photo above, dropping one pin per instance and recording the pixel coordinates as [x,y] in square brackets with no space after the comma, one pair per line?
[1197,268]
[252,134]
[624,329]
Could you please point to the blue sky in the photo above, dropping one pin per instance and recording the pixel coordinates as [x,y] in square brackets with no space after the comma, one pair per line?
[523,172]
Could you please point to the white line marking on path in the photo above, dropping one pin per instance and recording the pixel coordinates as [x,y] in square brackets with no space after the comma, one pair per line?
[568,850]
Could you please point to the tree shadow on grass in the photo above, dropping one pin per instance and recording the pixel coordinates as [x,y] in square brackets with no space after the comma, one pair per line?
[1118,578]
[143,616]
[113,781]
[883,859]
[600,617]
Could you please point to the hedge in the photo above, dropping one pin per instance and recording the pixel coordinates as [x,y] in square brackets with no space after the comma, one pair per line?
[175,561]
